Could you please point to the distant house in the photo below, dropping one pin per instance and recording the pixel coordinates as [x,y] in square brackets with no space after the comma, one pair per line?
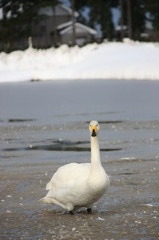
[83,34]
[44,32]
[55,27]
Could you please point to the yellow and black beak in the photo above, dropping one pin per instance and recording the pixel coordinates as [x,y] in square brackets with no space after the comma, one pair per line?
[93,131]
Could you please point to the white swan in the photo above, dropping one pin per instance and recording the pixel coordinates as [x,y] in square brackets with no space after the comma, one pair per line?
[79,185]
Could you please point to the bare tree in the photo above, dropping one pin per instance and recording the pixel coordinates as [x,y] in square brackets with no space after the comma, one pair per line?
[122,19]
[129,18]
[73,24]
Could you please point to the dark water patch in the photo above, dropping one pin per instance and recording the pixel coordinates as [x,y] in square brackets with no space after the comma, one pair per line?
[59,148]
[12,120]
[156,140]
[35,80]
[68,148]
[8,157]
[111,122]
[67,142]
[59,145]
[131,125]
[126,173]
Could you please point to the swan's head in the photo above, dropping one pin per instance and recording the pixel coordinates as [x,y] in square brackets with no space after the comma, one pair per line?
[94,128]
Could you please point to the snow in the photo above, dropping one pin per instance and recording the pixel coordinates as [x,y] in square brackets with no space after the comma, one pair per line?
[109,60]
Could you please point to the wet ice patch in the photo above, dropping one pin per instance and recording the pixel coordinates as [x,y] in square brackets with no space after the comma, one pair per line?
[127,158]
[12,120]
[154,204]
[100,219]
[9,196]
[8,211]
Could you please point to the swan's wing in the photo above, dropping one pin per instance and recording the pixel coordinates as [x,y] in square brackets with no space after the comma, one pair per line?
[68,175]
[68,184]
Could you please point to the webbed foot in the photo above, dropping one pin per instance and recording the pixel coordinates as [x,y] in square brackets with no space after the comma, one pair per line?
[89,210]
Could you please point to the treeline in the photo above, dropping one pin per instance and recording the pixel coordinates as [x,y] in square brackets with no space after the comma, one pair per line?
[139,19]
[17,18]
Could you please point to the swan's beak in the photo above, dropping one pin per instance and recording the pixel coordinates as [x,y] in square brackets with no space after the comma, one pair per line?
[94,131]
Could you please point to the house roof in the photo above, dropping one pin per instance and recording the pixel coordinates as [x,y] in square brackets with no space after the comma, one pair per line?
[64,25]
[59,10]
[79,28]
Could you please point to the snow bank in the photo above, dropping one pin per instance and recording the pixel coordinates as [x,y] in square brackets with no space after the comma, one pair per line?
[129,60]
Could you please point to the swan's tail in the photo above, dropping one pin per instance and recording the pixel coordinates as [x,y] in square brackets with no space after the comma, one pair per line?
[46,200]
[53,201]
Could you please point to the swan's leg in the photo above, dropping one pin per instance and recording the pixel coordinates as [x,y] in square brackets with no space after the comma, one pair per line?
[71,212]
[89,210]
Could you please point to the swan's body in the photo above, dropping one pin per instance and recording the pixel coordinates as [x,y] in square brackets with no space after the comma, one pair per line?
[79,185]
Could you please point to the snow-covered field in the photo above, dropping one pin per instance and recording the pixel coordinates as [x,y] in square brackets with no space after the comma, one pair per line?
[128,60]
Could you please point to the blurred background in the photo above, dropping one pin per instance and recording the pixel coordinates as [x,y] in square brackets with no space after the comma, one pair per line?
[49,91]
[47,23]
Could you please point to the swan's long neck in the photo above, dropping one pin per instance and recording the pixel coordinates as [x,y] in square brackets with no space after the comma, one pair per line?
[97,173]
[95,153]
[97,177]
